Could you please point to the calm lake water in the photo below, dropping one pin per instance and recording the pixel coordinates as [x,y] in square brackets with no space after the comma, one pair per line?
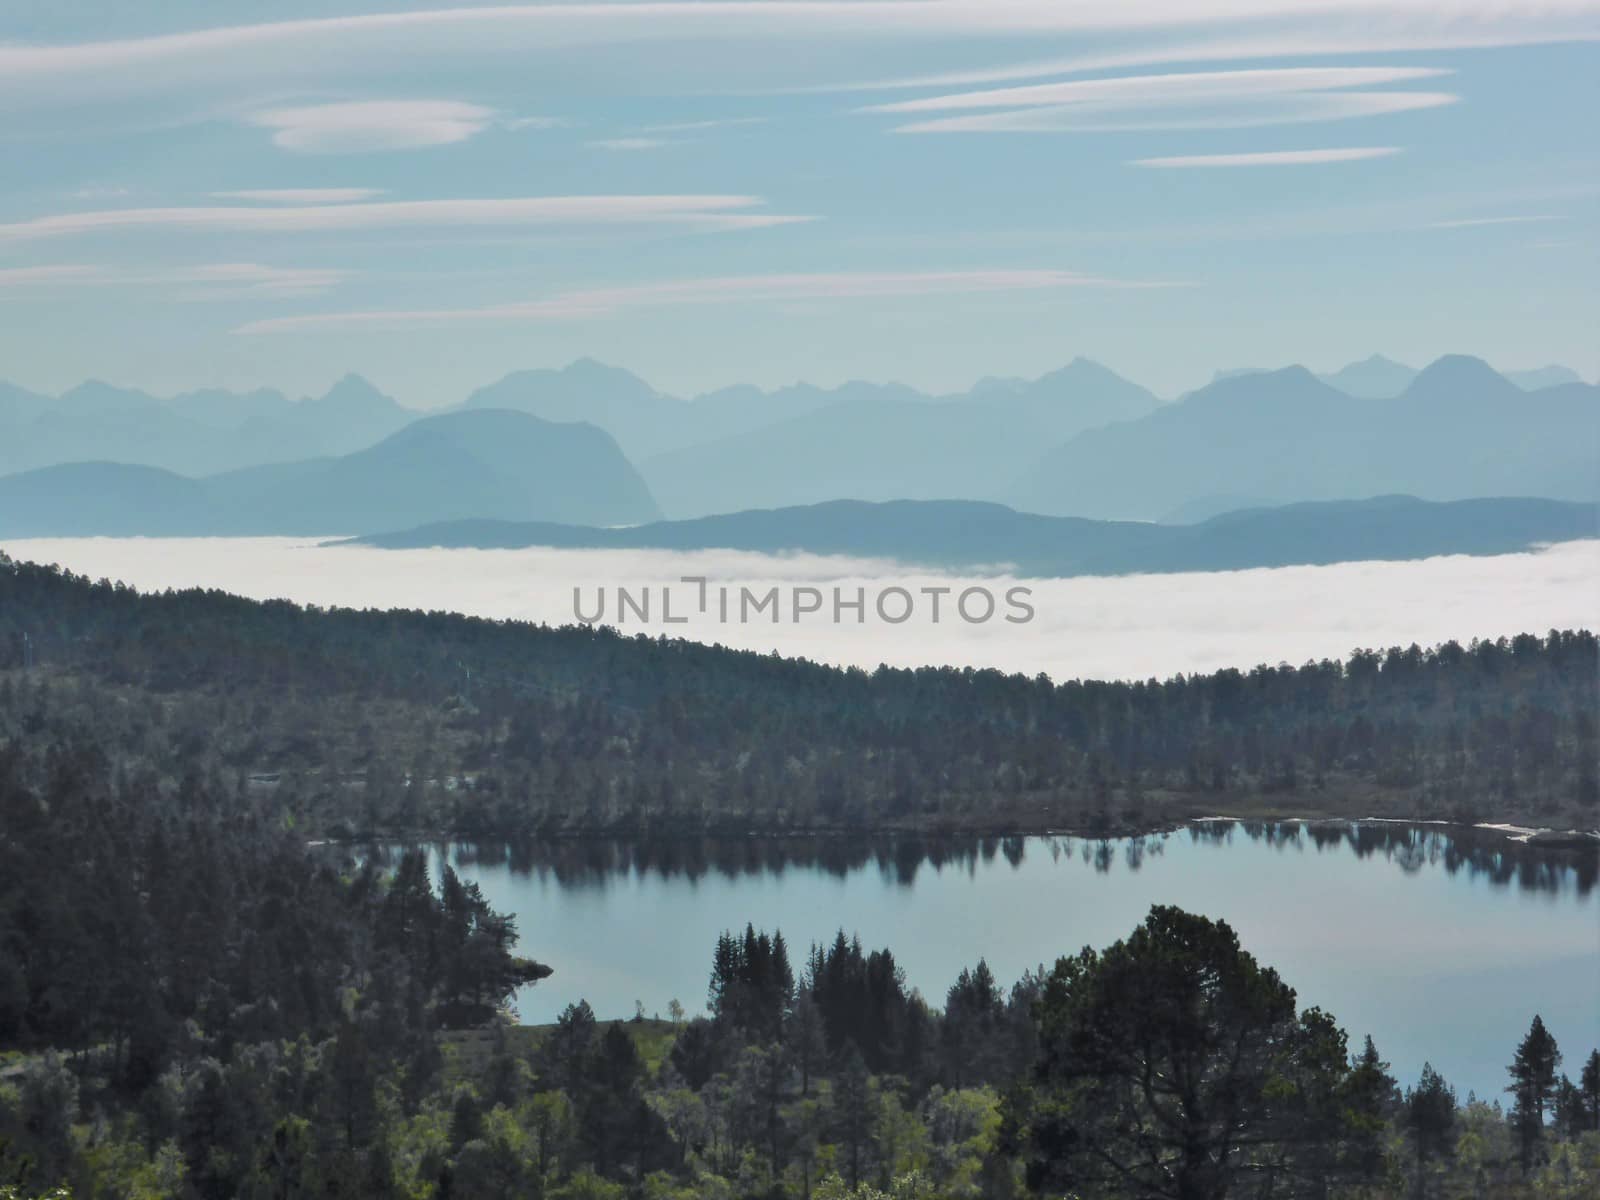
[1441,945]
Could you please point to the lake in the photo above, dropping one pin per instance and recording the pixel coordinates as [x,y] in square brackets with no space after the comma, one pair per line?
[1441,944]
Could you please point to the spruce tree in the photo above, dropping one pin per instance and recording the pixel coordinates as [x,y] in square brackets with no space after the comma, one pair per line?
[1430,1117]
[1533,1088]
[1589,1090]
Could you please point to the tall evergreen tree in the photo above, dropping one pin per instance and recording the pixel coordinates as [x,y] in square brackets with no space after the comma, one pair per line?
[1589,1090]
[1533,1088]
[1429,1117]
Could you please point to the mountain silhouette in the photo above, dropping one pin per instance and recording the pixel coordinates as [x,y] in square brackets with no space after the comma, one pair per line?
[886,447]
[981,537]
[648,423]
[1459,430]
[483,463]
[100,499]
[194,433]
[1078,441]
[1379,378]
[1553,375]
[1374,378]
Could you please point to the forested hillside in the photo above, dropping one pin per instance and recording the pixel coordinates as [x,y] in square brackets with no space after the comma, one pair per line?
[342,722]
[990,539]
[197,1001]
[287,1033]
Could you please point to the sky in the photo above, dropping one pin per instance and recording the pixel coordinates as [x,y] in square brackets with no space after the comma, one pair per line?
[715,191]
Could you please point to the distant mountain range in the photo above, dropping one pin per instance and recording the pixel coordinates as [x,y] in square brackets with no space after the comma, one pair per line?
[980,537]
[648,424]
[1081,441]
[212,430]
[1379,378]
[196,433]
[483,463]
[885,447]
[1458,430]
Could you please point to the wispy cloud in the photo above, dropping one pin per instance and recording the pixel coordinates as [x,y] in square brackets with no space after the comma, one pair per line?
[519,28]
[1270,158]
[518,123]
[1179,100]
[718,44]
[1474,222]
[629,143]
[1138,91]
[784,288]
[209,278]
[54,274]
[699,126]
[300,195]
[1351,37]
[704,213]
[1240,113]
[254,278]
[368,125]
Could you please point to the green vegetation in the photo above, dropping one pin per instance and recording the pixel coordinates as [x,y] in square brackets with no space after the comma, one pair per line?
[340,723]
[1171,1064]
[196,1004]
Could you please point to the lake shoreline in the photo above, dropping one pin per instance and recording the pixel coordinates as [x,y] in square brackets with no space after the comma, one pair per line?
[1539,838]
[1422,936]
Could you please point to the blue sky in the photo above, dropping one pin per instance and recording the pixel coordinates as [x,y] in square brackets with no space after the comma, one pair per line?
[771,190]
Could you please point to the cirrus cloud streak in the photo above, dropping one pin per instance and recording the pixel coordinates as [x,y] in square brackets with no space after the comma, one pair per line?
[596,302]
[1270,158]
[237,277]
[300,195]
[1138,91]
[356,127]
[710,213]
[1239,113]
[1177,100]
[722,40]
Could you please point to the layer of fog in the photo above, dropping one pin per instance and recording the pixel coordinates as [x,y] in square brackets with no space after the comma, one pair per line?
[1128,627]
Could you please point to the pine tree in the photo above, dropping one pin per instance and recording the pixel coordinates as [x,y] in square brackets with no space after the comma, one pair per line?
[1369,1095]
[852,1106]
[1533,1088]
[1589,1090]
[1430,1117]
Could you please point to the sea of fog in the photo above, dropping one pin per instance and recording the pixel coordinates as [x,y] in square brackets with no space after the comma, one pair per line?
[1127,627]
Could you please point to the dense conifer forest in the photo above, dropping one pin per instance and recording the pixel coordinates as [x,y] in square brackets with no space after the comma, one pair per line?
[249,1021]
[342,723]
[199,1000]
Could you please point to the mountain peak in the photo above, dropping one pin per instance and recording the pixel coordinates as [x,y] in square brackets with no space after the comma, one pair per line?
[99,387]
[593,372]
[593,365]
[1376,377]
[353,392]
[1292,384]
[1293,373]
[98,396]
[1460,375]
[1534,379]
[351,383]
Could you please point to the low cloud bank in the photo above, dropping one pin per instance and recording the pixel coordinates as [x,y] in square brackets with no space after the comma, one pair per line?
[1126,627]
